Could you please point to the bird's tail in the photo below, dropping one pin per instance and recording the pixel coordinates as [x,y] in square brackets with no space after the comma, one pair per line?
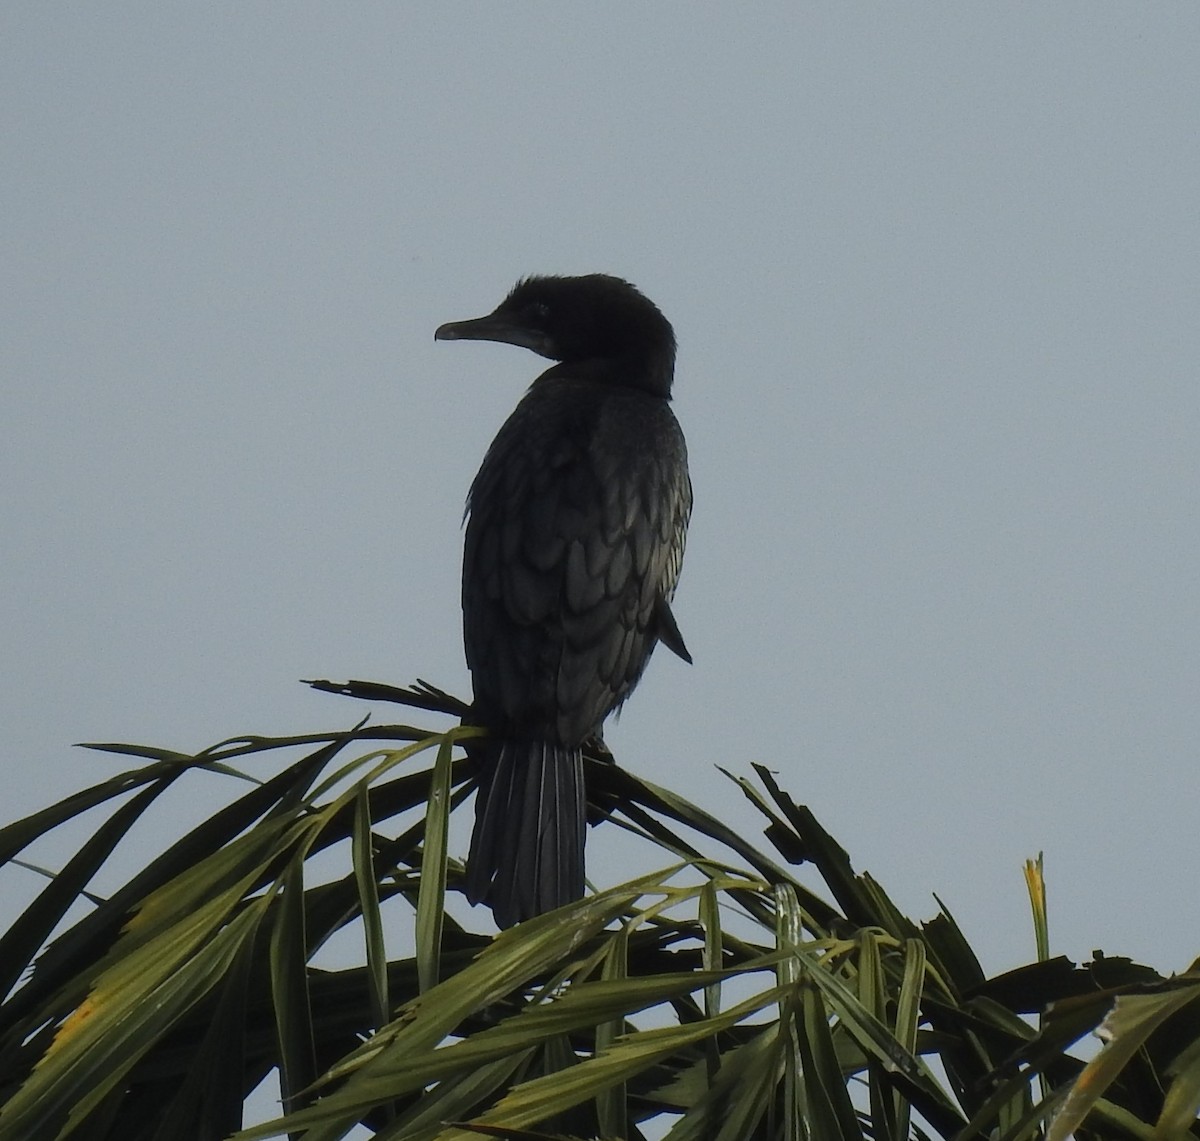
[527,848]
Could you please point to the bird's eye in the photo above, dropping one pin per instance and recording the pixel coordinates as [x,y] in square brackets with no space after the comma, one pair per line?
[537,311]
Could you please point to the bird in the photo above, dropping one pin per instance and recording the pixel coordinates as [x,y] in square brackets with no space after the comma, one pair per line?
[575,531]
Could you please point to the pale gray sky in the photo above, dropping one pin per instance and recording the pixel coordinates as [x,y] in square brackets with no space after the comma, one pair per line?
[934,273]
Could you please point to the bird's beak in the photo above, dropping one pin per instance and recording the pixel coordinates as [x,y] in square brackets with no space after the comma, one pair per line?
[493,328]
[480,329]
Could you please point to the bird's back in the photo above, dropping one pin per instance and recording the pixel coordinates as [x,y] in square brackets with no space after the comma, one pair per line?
[573,548]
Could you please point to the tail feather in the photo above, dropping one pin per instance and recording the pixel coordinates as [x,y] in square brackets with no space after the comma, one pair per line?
[527,848]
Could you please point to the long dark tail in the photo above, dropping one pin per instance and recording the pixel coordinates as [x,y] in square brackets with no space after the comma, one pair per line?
[530,817]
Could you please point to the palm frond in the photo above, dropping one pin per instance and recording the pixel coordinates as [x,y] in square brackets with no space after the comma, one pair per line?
[736,992]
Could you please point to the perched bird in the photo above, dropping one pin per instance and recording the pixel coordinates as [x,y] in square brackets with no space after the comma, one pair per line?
[575,535]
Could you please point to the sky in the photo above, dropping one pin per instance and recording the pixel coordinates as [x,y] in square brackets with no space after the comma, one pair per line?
[933,270]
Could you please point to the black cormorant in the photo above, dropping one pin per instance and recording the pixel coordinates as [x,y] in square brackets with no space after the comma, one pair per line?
[574,542]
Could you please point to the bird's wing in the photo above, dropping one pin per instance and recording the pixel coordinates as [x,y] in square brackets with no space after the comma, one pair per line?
[574,544]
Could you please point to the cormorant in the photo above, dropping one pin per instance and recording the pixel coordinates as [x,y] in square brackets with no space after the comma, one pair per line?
[575,536]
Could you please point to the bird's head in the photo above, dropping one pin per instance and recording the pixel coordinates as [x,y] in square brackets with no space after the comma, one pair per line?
[595,318]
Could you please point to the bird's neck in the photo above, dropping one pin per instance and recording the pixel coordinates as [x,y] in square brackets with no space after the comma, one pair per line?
[652,375]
